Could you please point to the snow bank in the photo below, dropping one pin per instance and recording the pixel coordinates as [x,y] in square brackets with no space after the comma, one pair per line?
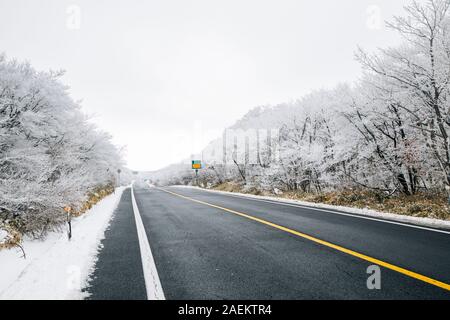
[58,268]
[425,222]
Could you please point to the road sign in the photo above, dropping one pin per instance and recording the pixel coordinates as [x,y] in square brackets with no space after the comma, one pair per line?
[196,164]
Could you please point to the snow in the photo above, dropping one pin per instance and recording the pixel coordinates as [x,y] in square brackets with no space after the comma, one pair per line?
[58,268]
[3,235]
[425,222]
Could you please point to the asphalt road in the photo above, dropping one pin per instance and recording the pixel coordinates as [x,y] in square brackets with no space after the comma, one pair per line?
[118,272]
[214,246]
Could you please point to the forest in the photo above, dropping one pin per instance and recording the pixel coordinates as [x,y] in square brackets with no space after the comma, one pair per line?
[381,142]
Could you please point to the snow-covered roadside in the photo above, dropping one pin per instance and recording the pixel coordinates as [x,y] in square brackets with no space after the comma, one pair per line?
[424,222]
[58,268]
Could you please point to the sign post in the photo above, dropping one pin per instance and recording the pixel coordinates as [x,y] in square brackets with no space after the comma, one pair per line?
[118,177]
[448,188]
[68,210]
[196,165]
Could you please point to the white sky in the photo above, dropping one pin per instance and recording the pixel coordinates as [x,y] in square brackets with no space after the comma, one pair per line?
[166,77]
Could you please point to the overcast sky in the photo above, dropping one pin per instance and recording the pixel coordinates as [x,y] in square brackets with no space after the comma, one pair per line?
[165,77]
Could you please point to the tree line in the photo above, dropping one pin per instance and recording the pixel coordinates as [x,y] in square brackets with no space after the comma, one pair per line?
[51,155]
[388,132]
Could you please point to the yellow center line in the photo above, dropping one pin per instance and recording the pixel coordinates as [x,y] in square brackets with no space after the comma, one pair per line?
[324,243]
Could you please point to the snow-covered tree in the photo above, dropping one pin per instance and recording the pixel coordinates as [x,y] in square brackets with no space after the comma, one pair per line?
[51,156]
[388,132]
[406,116]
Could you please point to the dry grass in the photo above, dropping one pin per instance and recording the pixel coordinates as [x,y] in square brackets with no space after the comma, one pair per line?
[236,187]
[93,198]
[421,205]
[229,187]
[13,239]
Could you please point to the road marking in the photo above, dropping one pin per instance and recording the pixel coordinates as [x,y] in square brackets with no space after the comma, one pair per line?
[330,211]
[324,243]
[152,282]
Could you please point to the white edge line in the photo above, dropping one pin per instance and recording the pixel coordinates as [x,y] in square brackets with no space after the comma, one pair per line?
[152,282]
[281,202]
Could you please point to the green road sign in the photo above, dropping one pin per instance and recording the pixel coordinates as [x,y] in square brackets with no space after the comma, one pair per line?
[196,164]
